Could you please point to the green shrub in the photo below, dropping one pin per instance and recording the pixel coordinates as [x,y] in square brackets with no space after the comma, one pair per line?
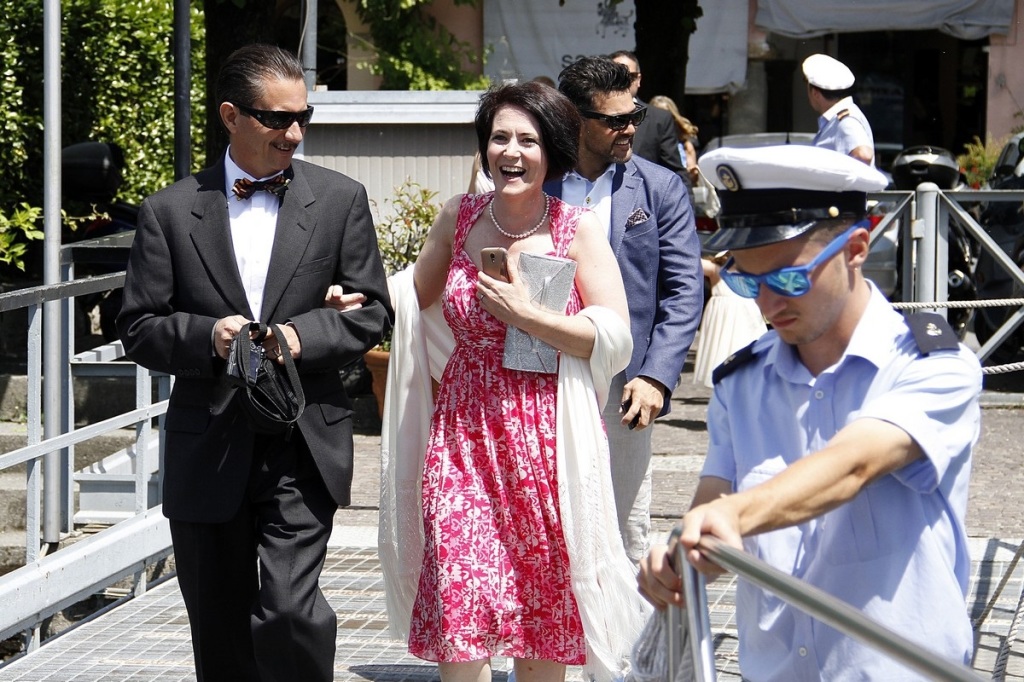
[414,51]
[117,86]
[401,234]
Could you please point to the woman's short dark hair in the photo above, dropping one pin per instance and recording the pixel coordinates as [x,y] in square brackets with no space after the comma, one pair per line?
[247,69]
[557,117]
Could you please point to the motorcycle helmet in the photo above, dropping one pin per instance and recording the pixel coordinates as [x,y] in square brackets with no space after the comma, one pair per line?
[925,164]
[92,171]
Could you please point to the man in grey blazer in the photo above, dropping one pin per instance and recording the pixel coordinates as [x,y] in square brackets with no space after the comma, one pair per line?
[251,512]
[650,226]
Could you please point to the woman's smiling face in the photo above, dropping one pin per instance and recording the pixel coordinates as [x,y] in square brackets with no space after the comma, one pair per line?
[515,153]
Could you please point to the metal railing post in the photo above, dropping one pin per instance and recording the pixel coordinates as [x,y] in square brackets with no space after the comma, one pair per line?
[926,260]
[67,398]
[908,238]
[690,624]
[51,260]
[702,647]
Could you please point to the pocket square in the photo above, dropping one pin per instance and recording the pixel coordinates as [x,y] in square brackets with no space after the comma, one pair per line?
[636,217]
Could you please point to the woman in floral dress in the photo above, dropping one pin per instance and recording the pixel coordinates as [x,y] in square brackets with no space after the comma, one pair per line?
[495,578]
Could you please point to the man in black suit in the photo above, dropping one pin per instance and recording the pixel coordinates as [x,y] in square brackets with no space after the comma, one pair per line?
[251,512]
[657,140]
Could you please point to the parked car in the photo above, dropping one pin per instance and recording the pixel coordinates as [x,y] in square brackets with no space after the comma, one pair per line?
[882,265]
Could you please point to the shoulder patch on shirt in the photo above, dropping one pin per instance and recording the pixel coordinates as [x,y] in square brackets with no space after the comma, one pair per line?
[733,362]
[931,332]
[843,114]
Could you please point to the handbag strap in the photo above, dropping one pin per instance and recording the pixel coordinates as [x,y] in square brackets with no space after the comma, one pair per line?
[290,369]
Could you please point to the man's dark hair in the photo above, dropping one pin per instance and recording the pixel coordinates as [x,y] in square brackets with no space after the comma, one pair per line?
[590,76]
[631,56]
[243,75]
[558,119]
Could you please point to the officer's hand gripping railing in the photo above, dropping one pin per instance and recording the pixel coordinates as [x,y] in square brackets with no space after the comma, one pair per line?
[810,599]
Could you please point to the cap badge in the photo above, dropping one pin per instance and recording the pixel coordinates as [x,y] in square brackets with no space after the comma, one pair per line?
[833,212]
[728,177]
[932,330]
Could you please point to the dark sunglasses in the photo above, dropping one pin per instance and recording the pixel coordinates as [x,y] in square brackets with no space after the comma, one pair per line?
[619,121]
[792,281]
[278,120]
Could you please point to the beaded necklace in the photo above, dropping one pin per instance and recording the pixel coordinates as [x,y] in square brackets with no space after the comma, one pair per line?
[521,235]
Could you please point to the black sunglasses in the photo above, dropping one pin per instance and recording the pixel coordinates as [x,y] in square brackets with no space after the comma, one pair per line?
[278,120]
[619,121]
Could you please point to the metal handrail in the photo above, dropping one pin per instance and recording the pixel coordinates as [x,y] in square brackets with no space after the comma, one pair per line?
[22,298]
[51,580]
[824,607]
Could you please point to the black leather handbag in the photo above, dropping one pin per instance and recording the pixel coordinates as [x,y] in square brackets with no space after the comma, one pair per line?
[274,399]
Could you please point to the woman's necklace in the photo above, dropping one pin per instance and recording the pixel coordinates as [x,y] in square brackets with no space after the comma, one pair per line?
[521,235]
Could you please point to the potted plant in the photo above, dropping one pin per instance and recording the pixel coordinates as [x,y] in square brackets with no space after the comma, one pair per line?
[400,237]
[979,159]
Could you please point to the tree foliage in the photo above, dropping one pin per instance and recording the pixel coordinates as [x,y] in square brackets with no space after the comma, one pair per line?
[117,86]
[414,52]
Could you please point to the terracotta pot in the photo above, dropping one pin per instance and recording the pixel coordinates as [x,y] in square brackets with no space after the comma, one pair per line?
[377,362]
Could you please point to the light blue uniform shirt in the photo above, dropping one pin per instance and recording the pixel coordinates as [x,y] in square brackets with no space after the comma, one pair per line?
[897,551]
[844,132]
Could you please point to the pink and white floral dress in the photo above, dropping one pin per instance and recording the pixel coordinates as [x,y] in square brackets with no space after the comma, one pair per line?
[495,577]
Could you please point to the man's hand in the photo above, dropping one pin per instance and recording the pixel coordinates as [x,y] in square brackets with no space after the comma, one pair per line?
[717,520]
[224,332]
[657,582]
[273,346]
[337,298]
[645,397]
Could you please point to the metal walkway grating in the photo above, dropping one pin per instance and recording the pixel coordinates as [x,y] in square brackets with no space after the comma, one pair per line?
[147,639]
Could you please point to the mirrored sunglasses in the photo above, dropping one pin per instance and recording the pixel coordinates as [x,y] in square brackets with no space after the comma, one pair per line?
[278,120]
[618,122]
[792,281]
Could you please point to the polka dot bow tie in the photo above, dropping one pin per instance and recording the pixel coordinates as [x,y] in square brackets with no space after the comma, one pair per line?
[245,188]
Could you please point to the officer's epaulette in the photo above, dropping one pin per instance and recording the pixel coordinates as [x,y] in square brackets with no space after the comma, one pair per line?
[733,362]
[931,332]
[843,114]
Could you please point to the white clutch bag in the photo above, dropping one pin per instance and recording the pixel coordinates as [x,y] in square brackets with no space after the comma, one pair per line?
[549,280]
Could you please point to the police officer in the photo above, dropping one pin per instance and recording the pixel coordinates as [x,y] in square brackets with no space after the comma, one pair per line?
[840,441]
[842,126]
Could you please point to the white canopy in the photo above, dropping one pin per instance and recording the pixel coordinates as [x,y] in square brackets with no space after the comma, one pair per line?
[966,19]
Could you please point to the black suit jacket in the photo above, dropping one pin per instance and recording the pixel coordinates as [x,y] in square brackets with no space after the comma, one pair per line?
[182,278]
[657,140]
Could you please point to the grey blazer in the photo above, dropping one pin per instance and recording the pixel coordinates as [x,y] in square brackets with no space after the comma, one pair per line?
[182,278]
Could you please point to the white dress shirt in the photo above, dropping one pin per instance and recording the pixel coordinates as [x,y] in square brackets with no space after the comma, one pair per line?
[597,196]
[253,225]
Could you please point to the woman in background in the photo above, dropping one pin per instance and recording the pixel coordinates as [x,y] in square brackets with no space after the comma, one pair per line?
[730,322]
[686,131]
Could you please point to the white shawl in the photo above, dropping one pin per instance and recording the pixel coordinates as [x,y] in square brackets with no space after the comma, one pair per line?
[603,578]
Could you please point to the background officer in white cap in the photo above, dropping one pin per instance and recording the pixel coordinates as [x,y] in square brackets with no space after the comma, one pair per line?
[840,441]
[842,126]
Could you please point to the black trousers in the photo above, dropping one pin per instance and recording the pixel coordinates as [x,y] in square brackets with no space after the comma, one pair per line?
[251,584]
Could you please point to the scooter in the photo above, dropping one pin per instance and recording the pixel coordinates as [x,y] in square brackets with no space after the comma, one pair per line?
[92,173]
[1004,222]
[934,164]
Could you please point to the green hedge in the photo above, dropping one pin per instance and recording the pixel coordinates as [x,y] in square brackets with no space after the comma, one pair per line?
[117,86]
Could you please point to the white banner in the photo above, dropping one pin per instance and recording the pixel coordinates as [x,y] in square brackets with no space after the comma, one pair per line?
[530,38]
